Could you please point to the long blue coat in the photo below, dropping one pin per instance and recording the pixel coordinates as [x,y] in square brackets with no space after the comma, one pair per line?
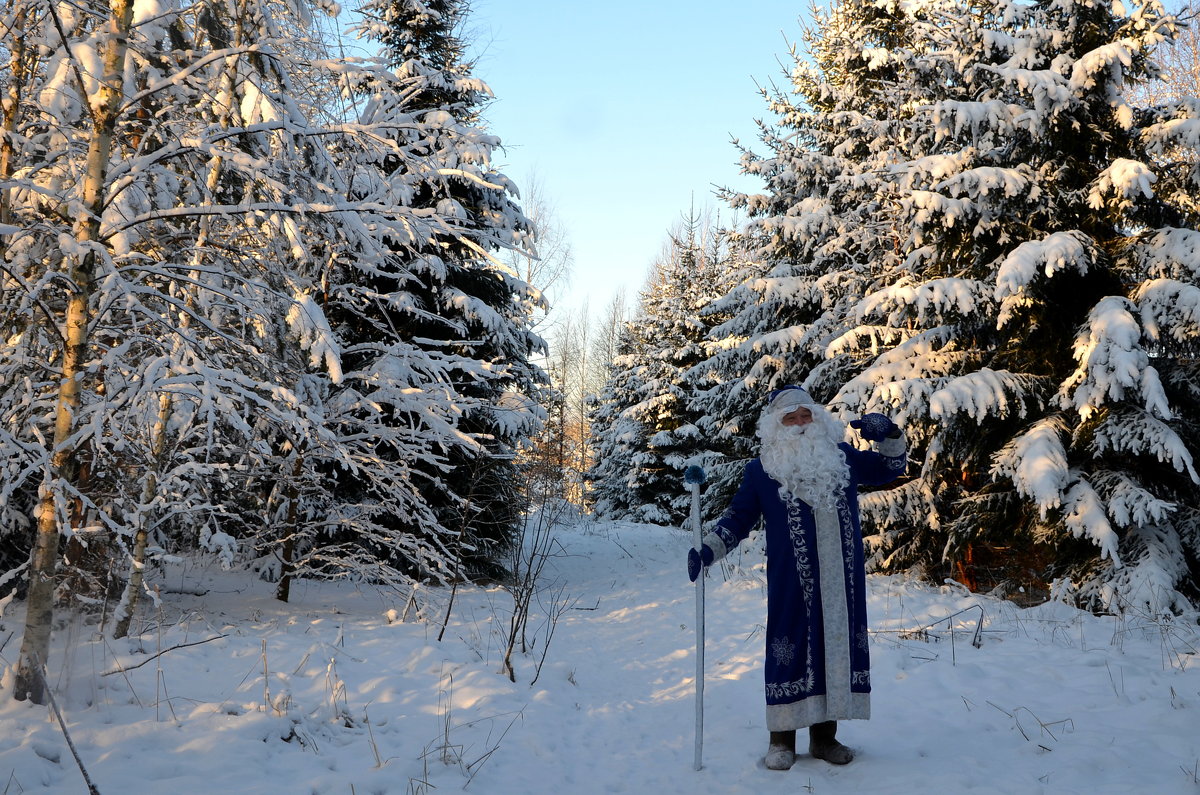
[817,656]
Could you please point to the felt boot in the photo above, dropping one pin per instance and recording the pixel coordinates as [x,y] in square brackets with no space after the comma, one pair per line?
[782,751]
[822,745]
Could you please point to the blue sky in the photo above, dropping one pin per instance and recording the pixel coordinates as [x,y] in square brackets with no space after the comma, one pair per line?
[624,110]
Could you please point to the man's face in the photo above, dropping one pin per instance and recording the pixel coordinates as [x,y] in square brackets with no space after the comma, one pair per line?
[797,417]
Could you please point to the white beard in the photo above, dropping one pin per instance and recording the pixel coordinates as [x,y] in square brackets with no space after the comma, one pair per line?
[805,459]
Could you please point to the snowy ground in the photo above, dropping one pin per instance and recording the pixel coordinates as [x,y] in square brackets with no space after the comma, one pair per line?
[334,694]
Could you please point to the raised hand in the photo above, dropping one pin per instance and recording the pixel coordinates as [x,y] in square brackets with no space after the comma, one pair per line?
[875,427]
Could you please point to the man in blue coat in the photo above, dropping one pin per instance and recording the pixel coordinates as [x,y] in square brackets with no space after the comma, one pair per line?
[804,486]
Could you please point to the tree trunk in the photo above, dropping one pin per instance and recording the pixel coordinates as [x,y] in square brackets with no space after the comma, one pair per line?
[137,566]
[35,643]
[966,569]
[10,110]
[284,590]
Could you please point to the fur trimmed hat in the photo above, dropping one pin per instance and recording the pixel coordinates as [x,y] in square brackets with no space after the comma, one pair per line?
[788,399]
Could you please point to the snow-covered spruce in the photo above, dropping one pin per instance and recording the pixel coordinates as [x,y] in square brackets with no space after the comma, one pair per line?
[646,422]
[967,225]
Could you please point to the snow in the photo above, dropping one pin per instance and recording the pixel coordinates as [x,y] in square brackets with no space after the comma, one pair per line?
[340,692]
[925,303]
[1036,463]
[1133,506]
[1140,432]
[1171,253]
[1051,92]
[1125,179]
[146,11]
[1113,57]
[1113,365]
[1170,305]
[307,320]
[1058,251]
[988,120]
[926,206]
[1084,516]
[980,394]
[1164,136]
[902,380]
[981,181]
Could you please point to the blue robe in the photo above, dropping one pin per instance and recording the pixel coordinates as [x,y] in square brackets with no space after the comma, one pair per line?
[817,657]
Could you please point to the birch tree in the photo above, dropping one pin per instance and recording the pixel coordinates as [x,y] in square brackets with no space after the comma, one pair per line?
[80,268]
[171,374]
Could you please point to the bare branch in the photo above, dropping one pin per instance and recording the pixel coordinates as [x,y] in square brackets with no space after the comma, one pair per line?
[151,658]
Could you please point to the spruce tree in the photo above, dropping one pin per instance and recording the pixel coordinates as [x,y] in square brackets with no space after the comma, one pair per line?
[648,425]
[443,289]
[619,440]
[821,233]
[1042,366]
[967,226]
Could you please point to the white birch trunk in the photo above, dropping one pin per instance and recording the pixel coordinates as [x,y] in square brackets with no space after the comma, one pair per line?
[35,643]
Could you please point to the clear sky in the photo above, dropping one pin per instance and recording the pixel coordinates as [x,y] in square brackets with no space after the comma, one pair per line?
[624,110]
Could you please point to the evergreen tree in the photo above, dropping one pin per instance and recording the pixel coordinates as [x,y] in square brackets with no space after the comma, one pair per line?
[822,232]
[1038,364]
[618,439]
[646,419]
[442,289]
[967,226]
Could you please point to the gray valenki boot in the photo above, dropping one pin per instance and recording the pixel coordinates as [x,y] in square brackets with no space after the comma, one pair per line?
[822,745]
[781,754]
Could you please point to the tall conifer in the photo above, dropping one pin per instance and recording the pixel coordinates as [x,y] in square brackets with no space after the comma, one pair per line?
[443,289]
[648,424]
[999,253]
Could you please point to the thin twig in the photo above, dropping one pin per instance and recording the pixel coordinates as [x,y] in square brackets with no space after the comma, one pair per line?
[478,763]
[62,724]
[119,669]
[623,549]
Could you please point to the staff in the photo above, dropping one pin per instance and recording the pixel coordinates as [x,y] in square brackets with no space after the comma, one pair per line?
[694,476]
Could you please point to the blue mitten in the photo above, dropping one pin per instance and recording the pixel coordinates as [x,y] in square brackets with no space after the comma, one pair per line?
[875,427]
[698,560]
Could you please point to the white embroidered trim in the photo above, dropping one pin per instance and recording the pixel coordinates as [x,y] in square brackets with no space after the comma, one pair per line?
[799,714]
[832,530]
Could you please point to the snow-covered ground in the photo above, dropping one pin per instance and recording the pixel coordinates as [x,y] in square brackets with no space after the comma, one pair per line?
[333,693]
